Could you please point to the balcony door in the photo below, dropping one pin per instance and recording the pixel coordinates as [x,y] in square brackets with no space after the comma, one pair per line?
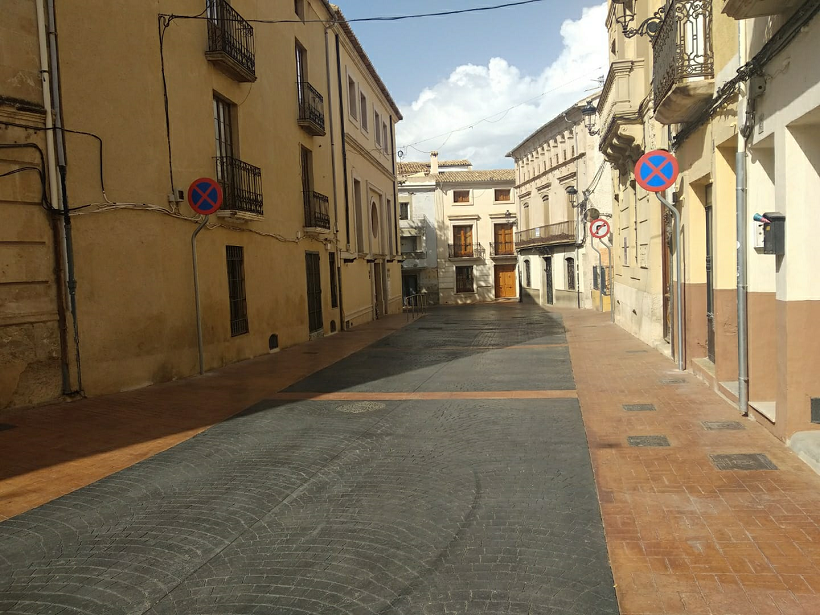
[463,240]
[301,73]
[224,134]
[504,239]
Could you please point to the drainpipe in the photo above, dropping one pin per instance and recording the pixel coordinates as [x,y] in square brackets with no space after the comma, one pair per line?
[68,248]
[338,272]
[342,129]
[744,131]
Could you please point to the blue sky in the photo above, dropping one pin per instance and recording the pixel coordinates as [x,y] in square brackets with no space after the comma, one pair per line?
[447,72]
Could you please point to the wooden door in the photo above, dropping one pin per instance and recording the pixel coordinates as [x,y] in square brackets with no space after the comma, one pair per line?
[504,281]
[463,241]
[314,292]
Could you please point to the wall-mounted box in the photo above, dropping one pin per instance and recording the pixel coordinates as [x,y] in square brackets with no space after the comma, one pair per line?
[774,234]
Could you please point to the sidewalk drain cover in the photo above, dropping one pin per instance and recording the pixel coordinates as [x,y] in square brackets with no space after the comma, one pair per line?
[647,441]
[743,461]
[636,352]
[715,425]
[639,407]
[673,381]
[361,406]
[5,426]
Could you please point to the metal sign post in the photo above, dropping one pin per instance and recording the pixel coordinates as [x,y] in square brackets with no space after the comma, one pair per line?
[656,172]
[598,229]
[204,197]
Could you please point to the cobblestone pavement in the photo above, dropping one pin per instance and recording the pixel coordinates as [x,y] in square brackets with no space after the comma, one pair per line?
[435,504]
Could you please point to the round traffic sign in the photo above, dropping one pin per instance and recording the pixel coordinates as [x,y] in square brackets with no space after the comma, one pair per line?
[657,171]
[599,228]
[205,196]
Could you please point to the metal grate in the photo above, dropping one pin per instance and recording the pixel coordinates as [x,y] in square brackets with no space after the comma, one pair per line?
[647,441]
[241,185]
[464,280]
[311,107]
[742,461]
[316,210]
[506,248]
[230,34]
[236,289]
[722,425]
[560,232]
[468,250]
[639,407]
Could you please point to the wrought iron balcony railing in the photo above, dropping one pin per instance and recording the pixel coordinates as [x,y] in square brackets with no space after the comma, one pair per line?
[241,185]
[230,40]
[470,250]
[506,248]
[560,232]
[311,109]
[316,210]
[682,49]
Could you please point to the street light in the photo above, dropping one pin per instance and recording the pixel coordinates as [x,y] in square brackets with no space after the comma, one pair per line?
[572,192]
[510,217]
[590,112]
[626,18]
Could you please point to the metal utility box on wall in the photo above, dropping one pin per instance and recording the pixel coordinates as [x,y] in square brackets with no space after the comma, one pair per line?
[774,234]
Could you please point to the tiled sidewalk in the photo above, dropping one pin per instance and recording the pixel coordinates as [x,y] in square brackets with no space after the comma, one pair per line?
[683,536]
[53,450]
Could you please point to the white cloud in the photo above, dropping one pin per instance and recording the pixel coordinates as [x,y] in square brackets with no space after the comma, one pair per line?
[473,92]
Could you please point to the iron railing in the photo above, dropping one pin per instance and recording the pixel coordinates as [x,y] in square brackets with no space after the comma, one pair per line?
[311,109]
[470,250]
[560,232]
[230,34]
[506,248]
[415,305]
[683,47]
[316,210]
[241,185]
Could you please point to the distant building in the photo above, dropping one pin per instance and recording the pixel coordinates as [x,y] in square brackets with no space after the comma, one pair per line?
[560,176]
[473,214]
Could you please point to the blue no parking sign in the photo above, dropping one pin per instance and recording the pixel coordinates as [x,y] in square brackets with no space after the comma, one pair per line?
[205,196]
[657,171]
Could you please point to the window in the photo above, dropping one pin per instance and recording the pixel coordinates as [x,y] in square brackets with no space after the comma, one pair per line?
[299,7]
[408,245]
[464,280]
[334,294]
[377,127]
[504,240]
[351,96]
[461,196]
[385,138]
[526,216]
[236,289]
[463,241]
[223,126]
[306,163]
[357,201]
[602,271]
[404,210]
[301,72]
[527,274]
[363,107]
[570,274]
[374,218]
[391,237]
[502,194]
[595,285]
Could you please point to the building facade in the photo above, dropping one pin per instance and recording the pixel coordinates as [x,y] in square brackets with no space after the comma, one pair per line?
[305,244]
[561,175]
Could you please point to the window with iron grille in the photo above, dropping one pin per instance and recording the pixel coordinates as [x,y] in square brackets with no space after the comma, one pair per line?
[570,274]
[603,280]
[404,210]
[464,280]
[236,289]
[595,285]
[301,72]
[223,125]
[334,295]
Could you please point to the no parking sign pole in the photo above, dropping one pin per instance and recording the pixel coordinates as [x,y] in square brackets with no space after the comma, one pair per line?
[204,197]
[656,172]
[598,229]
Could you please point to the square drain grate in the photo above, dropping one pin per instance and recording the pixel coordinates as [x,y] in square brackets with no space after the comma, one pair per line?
[727,425]
[647,441]
[6,426]
[743,461]
[639,407]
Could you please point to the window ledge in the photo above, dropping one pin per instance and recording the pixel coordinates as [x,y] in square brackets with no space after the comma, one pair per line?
[242,216]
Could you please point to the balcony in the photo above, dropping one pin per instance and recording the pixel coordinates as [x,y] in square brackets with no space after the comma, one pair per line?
[241,187]
[417,226]
[620,111]
[745,9]
[230,42]
[317,218]
[551,234]
[684,60]
[470,250]
[502,250]
[311,110]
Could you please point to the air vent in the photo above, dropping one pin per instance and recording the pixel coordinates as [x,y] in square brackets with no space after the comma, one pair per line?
[815,409]
[273,342]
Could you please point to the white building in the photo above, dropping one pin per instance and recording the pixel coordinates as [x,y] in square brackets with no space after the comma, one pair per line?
[560,176]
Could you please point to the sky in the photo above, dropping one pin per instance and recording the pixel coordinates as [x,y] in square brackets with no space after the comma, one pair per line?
[451,72]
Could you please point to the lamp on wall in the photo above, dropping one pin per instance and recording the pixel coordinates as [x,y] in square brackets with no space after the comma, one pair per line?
[572,193]
[510,218]
[625,16]
[590,112]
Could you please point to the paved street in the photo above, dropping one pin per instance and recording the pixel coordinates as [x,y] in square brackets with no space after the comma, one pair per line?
[443,469]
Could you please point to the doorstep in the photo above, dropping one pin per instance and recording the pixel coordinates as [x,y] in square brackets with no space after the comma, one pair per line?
[705,370]
[767,409]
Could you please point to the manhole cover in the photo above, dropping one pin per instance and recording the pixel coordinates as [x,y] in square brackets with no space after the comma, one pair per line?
[743,461]
[647,441]
[361,406]
[715,425]
[5,426]
[639,407]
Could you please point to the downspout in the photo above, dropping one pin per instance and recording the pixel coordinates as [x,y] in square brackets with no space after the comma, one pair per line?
[338,272]
[342,128]
[68,248]
[395,190]
[45,78]
[745,127]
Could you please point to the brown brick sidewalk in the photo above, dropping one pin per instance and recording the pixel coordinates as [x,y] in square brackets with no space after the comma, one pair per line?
[683,536]
[53,450]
